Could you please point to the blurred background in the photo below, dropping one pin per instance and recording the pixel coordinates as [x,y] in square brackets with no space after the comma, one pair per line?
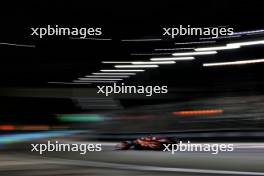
[48,87]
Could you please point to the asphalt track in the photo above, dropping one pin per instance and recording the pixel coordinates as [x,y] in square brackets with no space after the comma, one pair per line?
[246,159]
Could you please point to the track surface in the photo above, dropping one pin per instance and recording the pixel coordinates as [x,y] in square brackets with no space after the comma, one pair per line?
[246,159]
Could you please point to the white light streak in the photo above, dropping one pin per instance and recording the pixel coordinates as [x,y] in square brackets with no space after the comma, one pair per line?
[140,40]
[172,49]
[20,45]
[200,42]
[100,79]
[247,43]
[116,62]
[92,81]
[119,70]
[216,48]
[148,54]
[161,62]
[240,62]
[108,76]
[67,83]
[194,53]
[114,73]
[172,58]
[136,66]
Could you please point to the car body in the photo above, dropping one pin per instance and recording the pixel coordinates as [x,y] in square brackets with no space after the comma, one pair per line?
[146,143]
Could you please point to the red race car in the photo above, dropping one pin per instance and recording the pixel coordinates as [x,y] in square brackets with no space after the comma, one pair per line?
[146,143]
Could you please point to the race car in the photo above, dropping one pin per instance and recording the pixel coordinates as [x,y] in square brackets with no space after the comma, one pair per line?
[146,143]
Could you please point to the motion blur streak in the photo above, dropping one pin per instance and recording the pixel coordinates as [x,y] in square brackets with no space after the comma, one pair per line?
[80,118]
[148,168]
[136,117]
[34,127]
[29,127]
[249,32]
[195,53]
[7,127]
[198,112]
[253,61]
[12,138]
